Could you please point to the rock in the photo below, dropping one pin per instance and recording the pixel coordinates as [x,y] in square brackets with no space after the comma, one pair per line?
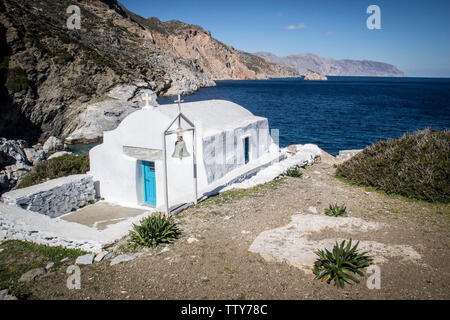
[4,295]
[292,148]
[58,154]
[86,259]
[49,265]
[108,256]
[14,164]
[125,258]
[34,156]
[1,250]
[312,209]
[191,240]
[165,249]
[53,144]
[64,260]
[32,274]
[99,257]
[314,76]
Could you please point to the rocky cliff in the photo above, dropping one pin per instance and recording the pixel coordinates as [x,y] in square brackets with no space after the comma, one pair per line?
[53,78]
[311,62]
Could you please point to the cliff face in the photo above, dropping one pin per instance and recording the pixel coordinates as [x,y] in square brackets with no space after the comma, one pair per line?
[311,62]
[50,75]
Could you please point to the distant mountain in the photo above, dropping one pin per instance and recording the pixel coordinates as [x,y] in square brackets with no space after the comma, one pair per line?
[310,62]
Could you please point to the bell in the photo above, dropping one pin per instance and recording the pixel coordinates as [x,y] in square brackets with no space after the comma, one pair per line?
[180,149]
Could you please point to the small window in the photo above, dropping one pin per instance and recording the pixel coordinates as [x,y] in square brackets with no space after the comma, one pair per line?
[247,149]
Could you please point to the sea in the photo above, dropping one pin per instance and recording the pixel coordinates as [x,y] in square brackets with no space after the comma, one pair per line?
[341,113]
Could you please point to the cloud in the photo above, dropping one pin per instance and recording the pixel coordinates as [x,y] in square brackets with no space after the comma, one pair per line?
[299,26]
[329,33]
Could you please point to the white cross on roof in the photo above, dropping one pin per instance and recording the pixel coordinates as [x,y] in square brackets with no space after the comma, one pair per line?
[147,99]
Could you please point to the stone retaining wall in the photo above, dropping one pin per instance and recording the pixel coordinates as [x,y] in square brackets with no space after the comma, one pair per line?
[54,197]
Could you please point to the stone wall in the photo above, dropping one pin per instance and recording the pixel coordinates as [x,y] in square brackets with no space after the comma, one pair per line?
[54,197]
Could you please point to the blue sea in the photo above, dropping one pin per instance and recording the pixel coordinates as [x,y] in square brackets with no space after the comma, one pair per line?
[341,113]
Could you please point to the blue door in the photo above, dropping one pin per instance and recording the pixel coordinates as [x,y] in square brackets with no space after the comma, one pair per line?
[148,169]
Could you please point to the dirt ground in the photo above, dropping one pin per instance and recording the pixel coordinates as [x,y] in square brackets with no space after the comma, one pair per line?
[220,266]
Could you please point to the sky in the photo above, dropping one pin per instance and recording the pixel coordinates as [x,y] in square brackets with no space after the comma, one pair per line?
[414,34]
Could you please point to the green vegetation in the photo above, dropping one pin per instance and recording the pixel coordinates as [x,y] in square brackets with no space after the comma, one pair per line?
[415,166]
[62,166]
[230,195]
[340,264]
[103,60]
[61,56]
[334,210]
[295,173]
[154,230]
[16,80]
[19,257]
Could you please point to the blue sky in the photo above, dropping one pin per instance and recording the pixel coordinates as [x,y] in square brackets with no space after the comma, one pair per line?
[414,35]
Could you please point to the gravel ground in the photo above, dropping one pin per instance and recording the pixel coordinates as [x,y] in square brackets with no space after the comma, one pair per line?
[220,266]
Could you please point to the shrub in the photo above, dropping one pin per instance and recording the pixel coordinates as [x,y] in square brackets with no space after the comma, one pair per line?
[62,166]
[154,230]
[293,173]
[334,210]
[16,80]
[415,166]
[340,264]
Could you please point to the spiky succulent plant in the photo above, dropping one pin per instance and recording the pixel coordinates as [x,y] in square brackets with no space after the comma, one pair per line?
[335,210]
[154,230]
[341,264]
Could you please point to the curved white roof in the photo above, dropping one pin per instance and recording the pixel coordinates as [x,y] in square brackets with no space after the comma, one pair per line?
[213,114]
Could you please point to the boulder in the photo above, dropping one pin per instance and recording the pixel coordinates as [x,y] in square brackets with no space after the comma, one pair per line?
[49,266]
[53,144]
[32,275]
[12,151]
[125,258]
[34,155]
[4,295]
[99,257]
[14,163]
[86,259]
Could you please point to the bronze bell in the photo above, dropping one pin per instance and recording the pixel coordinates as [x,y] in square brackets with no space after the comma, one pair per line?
[180,149]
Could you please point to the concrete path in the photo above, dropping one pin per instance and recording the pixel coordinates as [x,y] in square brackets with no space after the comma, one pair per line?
[102,214]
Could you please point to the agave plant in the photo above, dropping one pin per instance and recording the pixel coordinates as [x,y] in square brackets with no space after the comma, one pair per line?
[340,264]
[154,230]
[293,173]
[334,210]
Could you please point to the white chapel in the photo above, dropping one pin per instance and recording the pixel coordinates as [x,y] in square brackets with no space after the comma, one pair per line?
[168,155]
